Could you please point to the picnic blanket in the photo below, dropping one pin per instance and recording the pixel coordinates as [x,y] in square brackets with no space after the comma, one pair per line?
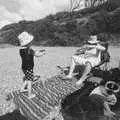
[48,97]
[46,104]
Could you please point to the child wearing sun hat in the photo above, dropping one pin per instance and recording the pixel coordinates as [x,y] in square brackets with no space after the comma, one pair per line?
[27,56]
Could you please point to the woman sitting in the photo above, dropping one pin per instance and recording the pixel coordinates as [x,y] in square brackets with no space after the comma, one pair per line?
[90,58]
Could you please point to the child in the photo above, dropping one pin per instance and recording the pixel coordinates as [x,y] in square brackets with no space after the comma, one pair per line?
[107,94]
[27,55]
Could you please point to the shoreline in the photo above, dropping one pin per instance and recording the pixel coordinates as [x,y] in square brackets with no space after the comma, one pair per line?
[13,46]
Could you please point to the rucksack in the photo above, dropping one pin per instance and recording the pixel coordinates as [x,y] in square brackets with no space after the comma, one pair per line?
[105,56]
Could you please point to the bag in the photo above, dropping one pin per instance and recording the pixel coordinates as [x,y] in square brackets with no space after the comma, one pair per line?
[105,56]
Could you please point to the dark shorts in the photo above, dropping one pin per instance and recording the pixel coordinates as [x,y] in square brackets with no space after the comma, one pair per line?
[28,74]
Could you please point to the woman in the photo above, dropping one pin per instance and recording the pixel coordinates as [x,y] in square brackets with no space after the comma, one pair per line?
[90,58]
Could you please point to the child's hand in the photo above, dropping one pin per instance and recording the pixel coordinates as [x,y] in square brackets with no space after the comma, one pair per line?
[39,54]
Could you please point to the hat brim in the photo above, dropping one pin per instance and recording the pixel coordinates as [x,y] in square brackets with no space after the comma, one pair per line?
[25,38]
[93,41]
[23,45]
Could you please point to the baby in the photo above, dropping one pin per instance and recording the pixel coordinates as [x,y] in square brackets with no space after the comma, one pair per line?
[107,94]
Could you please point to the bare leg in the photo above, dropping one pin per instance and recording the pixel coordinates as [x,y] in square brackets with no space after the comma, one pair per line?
[72,67]
[87,70]
[30,95]
[23,87]
[107,110]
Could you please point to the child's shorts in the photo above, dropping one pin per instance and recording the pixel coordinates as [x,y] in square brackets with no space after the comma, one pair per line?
[28,74]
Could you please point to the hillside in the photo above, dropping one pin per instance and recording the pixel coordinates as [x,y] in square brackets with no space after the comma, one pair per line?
[69,28]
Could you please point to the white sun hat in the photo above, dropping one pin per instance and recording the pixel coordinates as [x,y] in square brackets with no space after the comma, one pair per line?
[25,38]
[93,39]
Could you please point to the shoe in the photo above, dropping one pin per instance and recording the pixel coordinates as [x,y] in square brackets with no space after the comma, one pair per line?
[31,96]
[67,77]
[36,78]
[23,90]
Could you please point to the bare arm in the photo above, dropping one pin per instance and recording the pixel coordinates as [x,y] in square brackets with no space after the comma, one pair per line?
[100,47]
[106,106]
[39,53]
[107,110]
[83,49]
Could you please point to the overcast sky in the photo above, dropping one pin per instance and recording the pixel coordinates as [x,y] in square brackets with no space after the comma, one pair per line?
[15,10]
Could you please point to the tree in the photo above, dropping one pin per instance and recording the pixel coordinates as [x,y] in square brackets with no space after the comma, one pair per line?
[93,3]
[75,4]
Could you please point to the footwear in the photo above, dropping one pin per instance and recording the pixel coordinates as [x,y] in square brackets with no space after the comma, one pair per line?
[23,90]
[66,77]
[36,78]
[31,96]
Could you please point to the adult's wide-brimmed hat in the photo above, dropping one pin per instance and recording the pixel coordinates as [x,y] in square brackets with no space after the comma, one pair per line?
[25,38]
[93,39]
[112,86]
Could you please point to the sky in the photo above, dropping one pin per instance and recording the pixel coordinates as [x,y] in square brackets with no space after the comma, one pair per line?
[12,11]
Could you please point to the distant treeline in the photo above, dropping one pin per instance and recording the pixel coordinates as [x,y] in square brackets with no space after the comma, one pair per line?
[69,28]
